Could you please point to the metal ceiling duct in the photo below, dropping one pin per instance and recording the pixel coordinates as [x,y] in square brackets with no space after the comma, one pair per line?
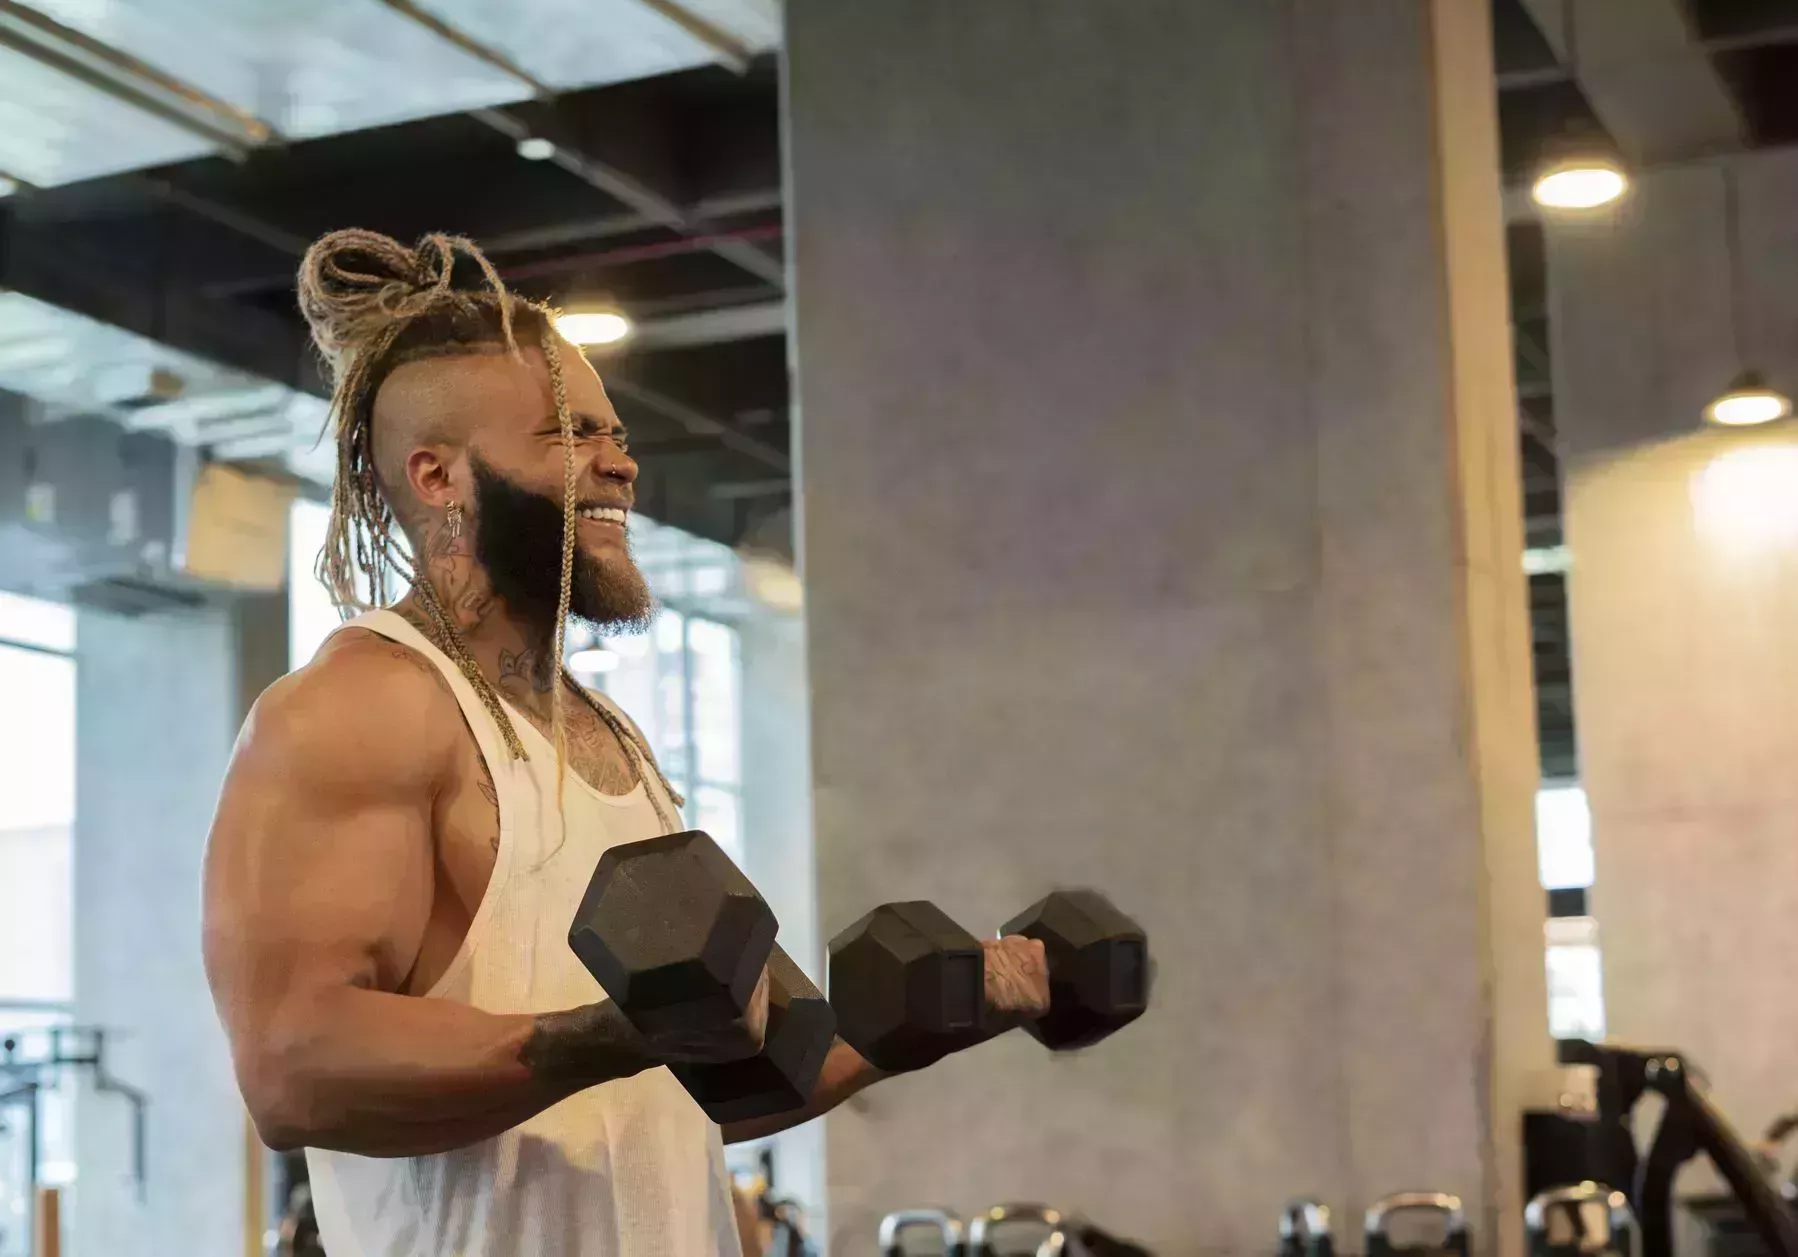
[90,88]
[74,365]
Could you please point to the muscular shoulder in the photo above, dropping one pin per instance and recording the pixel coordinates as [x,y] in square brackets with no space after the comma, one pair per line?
[366,709]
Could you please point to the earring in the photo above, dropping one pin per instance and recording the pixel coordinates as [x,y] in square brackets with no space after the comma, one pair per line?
[455,520]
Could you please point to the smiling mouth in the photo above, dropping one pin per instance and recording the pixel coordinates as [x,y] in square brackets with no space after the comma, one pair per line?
[604,515]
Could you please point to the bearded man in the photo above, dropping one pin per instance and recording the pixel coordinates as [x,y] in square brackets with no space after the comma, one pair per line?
[409,821]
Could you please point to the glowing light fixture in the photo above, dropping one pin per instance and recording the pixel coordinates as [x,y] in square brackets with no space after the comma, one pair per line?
[593,327]
[1580,183]
[1749,400]
[536,148]
[1579,171]
[595,662]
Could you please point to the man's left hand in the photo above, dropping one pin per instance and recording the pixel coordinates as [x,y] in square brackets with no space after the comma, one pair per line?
[1017,982]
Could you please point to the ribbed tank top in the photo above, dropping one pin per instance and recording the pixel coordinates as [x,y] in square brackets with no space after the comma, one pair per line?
[630,1168]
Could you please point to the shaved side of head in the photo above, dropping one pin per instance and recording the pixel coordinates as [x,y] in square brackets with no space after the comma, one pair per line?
[442,400]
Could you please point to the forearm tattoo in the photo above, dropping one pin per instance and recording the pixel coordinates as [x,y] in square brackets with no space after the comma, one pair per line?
[584,1046]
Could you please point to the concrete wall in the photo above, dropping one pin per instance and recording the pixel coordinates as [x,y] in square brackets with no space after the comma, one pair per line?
[158,704]
[1684,604]
[1154,539]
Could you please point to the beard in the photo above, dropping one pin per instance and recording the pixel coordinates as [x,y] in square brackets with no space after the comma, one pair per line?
[518,541]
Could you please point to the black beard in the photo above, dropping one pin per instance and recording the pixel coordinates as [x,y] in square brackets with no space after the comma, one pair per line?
[518,541]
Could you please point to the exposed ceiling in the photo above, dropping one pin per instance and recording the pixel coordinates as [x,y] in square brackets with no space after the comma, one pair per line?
[663,195]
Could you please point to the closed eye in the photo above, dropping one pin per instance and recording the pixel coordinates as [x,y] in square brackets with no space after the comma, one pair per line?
[590,428]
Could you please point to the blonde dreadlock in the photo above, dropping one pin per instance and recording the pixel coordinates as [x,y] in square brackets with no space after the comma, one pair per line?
[372,303]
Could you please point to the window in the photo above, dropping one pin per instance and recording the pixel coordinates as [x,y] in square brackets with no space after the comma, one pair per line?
[310,615]
[37,819]
[1575,965]
[681,684]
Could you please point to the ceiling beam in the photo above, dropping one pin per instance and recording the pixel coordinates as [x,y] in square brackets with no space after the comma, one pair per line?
[727,49]
[653,204]
[709,327]
[122,75]
[1645,74]
[617,182]
[697,422]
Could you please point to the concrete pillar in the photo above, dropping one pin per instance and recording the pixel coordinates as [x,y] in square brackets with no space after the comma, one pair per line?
[1161,533]
[1683,613]
[159,699]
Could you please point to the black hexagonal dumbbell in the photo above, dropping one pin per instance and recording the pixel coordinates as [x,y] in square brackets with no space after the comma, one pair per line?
[909,984]
[1098,967]
[678,937]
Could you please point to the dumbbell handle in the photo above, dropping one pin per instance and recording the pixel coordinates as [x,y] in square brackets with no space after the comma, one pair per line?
[1454,1218]
[892,1227]
[740,1091]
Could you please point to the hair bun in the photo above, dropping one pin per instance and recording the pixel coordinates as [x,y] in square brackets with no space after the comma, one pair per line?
[353,284]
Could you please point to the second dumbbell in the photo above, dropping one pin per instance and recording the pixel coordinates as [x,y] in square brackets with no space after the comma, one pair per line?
[909,985]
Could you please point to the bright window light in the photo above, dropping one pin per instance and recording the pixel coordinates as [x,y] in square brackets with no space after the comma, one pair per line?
[593,327]
[595,662]
[1580,186]
[633,647]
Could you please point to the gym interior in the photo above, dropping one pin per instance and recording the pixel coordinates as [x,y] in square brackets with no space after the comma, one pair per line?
[1318,473]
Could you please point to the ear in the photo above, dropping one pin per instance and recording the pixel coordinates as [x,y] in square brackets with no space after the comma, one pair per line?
[438,475]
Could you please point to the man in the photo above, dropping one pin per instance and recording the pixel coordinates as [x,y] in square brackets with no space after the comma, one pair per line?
[409,821]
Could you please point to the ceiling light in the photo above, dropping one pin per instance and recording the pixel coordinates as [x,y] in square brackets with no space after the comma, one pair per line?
[1579,168]
[1748,401]
[1580,184]
[592,663]
[536,148]
[593,327]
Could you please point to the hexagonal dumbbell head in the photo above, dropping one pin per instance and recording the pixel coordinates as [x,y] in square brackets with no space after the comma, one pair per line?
[674,932]
[1098,967]
[908,985]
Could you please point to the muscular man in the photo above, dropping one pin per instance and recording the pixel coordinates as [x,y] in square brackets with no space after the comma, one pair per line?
[409,821]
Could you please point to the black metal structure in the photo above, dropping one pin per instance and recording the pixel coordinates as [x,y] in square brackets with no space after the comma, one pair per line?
[31,1060]
[1690,1125]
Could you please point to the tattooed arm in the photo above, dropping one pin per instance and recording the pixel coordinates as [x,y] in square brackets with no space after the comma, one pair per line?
[319,882]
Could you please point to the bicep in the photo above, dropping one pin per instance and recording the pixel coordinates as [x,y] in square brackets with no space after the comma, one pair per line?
[318,868]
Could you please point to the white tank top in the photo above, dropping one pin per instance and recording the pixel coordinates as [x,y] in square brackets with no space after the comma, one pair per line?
[626,1169]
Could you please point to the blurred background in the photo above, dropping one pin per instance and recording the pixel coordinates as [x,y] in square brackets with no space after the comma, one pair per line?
[1316,469]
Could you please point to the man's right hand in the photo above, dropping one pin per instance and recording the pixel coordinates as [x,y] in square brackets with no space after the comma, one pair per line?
[712,1045]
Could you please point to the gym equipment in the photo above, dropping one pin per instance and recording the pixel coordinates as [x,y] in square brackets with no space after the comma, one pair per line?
[1305,1230]
[33,1061]
[1381,1212]
[801,1028]
[1558,1222]
[909,984]
[1098,967]
[945,1225]
[677,937]
[984,1231]
[1689,1124]
[674,932]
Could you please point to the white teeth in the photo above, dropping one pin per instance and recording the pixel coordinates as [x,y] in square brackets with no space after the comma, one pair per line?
[605,514]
